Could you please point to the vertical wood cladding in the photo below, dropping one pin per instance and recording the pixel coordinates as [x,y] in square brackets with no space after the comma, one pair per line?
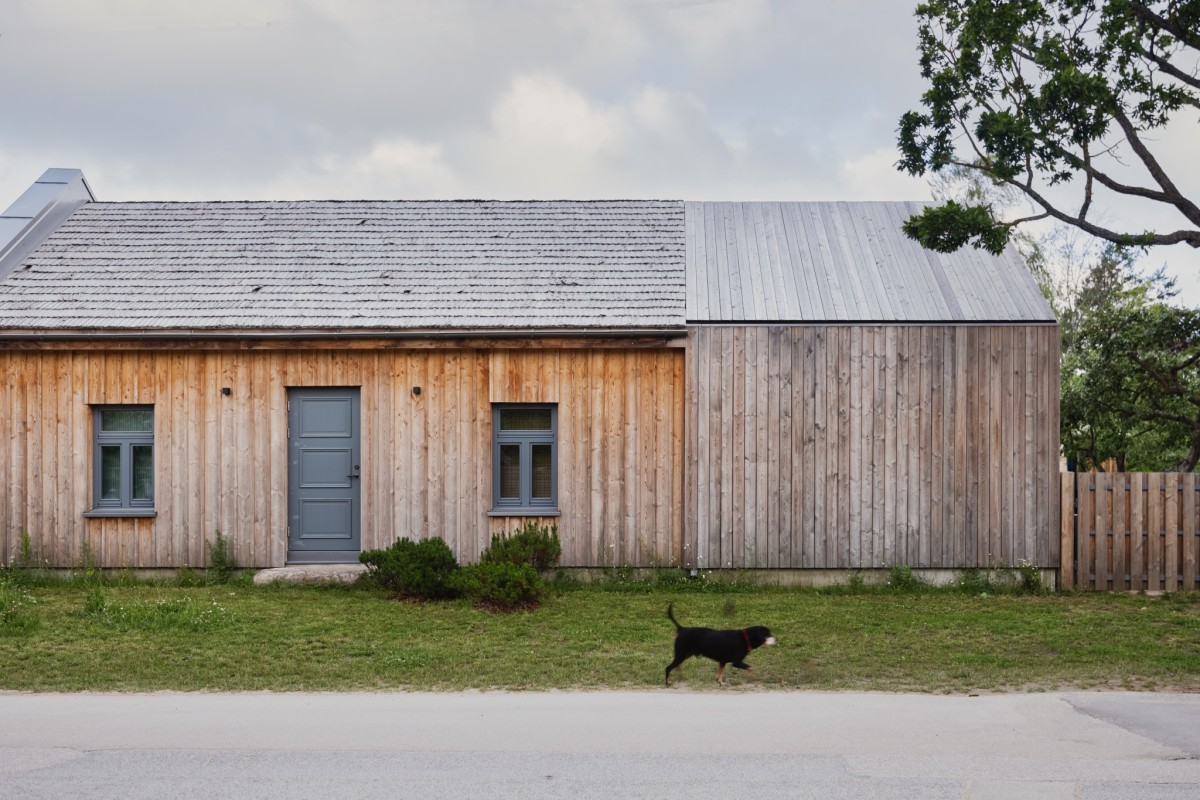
[870,446]
[807,447]
[221,461]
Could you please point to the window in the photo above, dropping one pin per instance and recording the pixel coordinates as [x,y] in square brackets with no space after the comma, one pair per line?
[525,460]
[123,461]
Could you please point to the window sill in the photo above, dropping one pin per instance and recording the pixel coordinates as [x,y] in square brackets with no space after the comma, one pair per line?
[108,513]
[539,511]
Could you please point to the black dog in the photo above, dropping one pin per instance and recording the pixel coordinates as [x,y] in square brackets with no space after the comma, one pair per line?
[724,647]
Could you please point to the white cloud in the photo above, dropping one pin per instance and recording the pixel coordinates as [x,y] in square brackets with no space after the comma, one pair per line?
[875,177]
[547,138]
[708,29]
[390,168]
[150,14]
[542,114]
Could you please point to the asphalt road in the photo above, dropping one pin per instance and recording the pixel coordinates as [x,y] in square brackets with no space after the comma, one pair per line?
[661,744]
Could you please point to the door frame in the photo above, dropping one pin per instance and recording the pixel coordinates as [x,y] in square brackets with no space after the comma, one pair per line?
[314,555]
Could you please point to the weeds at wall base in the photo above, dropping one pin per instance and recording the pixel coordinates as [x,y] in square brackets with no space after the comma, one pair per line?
[1024,579]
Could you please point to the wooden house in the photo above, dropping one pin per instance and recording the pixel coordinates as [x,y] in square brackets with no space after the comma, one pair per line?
[756,385]
[855,401]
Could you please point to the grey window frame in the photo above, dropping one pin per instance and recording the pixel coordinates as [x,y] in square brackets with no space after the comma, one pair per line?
[126,505]
[525,505]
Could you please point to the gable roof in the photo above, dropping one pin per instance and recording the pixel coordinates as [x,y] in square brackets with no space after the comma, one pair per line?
[322,265]
[843,262]
[427,267]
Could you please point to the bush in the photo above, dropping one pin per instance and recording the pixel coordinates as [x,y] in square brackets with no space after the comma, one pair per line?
[902,579]
[221,562]
[423,569]
[533,544]
[508,575]
[501,586]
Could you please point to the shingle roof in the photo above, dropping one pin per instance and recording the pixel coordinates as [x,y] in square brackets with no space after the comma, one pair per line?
[831,262]
[322,265]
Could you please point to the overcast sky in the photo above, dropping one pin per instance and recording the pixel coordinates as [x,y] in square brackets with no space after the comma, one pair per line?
[383,99]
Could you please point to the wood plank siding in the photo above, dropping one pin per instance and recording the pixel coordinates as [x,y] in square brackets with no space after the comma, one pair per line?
[865,446]
[221,461]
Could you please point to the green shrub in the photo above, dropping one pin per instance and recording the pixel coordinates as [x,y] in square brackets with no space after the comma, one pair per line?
[1030,581]
[501,586]
[221,562]
[902,579]
[89,572]
[422,569]
[532,544]
[973,580]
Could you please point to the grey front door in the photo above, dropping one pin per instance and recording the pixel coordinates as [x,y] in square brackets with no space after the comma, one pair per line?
[323,476]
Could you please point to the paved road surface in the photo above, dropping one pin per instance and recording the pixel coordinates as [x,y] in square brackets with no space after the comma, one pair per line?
[663,744]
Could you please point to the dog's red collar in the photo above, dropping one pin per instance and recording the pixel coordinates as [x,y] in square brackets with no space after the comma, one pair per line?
[746,636]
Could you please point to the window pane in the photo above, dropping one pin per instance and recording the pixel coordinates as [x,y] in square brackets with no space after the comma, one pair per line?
[143,472]
[541,472]
[525,419]
[138,420]
[110,472]
[510,471]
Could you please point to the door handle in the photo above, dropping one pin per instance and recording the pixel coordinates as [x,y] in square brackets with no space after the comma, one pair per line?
[355,475]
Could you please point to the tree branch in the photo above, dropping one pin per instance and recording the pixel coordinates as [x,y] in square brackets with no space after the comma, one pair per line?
[1185,206]
[1088,182]
[1185,36]
[1120,188]
[1174,71]
[1188,237]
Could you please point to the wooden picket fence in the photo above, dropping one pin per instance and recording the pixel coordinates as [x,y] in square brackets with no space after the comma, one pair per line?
[1130,531]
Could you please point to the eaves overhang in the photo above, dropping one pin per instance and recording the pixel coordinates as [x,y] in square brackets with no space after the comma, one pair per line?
[271,334]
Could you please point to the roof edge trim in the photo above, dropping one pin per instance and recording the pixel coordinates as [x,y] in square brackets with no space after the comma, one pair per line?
[161,334]
[876,323]
[38,212]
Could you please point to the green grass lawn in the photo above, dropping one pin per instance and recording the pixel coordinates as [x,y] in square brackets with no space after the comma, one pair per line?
[236,637]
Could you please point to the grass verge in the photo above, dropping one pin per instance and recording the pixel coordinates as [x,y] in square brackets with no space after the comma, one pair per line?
[235,637]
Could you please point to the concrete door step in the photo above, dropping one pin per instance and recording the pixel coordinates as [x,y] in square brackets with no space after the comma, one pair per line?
[311,573]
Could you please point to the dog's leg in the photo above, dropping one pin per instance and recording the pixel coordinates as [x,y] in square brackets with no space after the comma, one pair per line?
[672,666]
[721,674]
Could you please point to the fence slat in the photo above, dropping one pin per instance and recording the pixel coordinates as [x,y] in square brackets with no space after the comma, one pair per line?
[1066,570]
[1085,551]
[1154,531]
[1137,531]
[1102,497]
[1171,527]
[1120,525]
[1191,542]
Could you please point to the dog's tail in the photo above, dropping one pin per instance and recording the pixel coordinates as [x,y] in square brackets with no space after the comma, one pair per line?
[672,617]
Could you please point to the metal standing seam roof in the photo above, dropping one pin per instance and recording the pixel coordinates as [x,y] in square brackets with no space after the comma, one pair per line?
[842,262]
[355,265]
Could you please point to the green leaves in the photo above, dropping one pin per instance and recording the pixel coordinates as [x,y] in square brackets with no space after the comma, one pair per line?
[1131,374]
[1027,92]
[948,227]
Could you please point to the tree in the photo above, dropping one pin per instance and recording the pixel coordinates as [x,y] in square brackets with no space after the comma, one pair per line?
[1050,97]
[1131,371]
